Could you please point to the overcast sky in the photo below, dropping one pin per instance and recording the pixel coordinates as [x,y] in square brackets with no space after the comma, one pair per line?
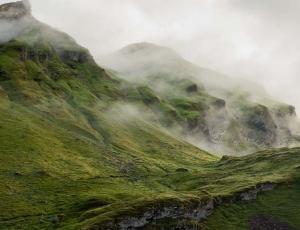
[256,39]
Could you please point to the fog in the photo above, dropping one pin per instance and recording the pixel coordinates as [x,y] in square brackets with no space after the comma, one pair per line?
[257,40]
[250,43]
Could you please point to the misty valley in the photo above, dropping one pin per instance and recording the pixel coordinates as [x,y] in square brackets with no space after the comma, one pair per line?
[141,138]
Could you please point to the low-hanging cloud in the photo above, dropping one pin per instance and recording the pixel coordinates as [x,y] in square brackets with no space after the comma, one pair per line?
[255,39]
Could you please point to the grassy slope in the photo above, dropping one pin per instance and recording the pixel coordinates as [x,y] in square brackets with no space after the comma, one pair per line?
[60,149]
[281,203]
[64,154]
[59,169]
[62,173]
[222,178]
[248,123]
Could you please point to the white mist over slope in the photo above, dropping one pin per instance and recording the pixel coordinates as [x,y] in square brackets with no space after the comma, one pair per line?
[257,40]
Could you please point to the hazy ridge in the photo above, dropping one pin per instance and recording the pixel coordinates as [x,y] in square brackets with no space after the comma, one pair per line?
[82,148]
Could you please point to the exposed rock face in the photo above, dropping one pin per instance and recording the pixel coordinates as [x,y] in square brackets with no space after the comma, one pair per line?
[259,126]
[218,122]
[14,10]
[233,118]
[42,55]
[195,211]
[286,120]
[252,194]
[15,19]
[75,56]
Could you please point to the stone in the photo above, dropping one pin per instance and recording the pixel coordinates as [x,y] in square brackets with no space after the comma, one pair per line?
[196,211]
[15,10]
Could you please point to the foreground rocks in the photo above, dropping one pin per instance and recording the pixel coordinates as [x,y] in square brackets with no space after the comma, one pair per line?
[196,211]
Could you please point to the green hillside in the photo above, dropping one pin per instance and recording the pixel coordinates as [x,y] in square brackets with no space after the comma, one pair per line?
[81,149]
[215,112]
[281,205]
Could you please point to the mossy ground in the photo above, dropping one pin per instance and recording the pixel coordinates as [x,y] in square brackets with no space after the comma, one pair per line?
[64,152]
[70,161]
[282,204]
[50,170]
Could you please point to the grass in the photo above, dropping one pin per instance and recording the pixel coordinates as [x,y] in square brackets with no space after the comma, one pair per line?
[63,172]
[70,161]
[280,203]
[49,169]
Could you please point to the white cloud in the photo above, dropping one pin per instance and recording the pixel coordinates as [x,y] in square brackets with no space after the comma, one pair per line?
[7,1]
[253,39]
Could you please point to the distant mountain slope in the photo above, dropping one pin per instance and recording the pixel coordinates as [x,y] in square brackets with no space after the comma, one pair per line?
[215,112]
[77,153]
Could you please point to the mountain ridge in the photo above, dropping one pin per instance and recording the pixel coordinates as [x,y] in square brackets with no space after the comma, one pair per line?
[76,153]
[15,10]
[241,113]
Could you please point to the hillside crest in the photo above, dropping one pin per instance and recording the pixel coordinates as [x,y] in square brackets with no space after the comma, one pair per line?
[15,10]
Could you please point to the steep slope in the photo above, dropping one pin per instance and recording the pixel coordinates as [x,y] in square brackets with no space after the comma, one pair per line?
[213,111]
[75,154]
[62,144]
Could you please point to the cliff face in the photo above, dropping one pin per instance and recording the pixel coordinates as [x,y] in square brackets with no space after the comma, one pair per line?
[215,112]
[176,212]
[40,41]
[15,10]
[15,19]
[208,115]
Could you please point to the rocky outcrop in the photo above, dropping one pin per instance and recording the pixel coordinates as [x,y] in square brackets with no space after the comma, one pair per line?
[287,124]
[193,88]
[229,118]
[40,55]
[14,10]
[258,126]
[77,56]
[194,211]
[15,19]
[218,121]
[251,194]
[198,212]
